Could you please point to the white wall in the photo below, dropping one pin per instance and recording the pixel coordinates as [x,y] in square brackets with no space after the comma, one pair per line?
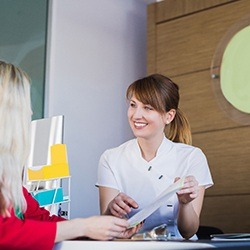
[95,50]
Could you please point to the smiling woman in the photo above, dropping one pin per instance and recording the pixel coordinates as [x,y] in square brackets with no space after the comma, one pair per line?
[162,94]
[146,122]
[133,174]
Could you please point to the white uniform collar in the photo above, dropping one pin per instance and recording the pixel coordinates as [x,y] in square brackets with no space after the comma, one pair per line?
[165,146]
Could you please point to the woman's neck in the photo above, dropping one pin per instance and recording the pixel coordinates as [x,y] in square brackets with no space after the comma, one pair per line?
[149,147]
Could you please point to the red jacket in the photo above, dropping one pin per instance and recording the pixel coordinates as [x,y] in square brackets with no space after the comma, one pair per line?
[36,231]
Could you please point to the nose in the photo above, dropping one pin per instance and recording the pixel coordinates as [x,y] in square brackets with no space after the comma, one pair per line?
[138,113]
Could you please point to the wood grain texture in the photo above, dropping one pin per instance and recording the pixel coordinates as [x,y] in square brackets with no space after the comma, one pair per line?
[202,106]
[170,9]
[228,154]
[229,213]
[186,35]
[188,44]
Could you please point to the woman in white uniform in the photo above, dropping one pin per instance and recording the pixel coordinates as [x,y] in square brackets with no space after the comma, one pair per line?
[132,175]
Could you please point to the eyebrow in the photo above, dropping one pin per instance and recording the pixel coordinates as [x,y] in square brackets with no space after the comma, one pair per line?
[132,100]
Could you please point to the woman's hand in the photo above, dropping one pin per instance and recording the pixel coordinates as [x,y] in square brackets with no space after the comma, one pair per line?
[121,205]
[95,227]
[130,232]
[190,190]
[107,228]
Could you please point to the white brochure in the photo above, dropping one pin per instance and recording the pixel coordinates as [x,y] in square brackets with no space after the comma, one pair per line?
[158,202]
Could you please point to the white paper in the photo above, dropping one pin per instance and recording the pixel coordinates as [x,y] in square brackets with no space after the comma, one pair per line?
[158,202]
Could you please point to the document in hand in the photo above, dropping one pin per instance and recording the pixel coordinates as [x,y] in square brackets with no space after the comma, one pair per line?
[158,202]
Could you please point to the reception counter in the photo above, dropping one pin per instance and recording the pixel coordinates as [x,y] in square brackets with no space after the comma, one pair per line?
[150,245]
[129,245]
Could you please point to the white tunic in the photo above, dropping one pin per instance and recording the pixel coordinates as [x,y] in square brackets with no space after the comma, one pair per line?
[124,169]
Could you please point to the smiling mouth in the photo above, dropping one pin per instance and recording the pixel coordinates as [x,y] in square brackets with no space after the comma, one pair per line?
[140,125]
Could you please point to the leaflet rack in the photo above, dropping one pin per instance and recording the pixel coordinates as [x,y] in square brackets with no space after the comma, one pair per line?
[50,184]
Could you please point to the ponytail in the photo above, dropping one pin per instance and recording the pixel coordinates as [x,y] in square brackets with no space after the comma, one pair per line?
[179,129]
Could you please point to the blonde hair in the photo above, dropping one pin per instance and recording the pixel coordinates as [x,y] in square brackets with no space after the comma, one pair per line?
[163,95]
[15,118]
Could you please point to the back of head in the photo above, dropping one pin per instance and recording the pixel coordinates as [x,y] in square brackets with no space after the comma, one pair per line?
[15,117]
[163,95]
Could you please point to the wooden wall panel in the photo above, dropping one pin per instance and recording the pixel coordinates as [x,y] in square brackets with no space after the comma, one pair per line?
[167,10]
[188,44]
[228,154]
[229,213]
[183,36]
[196,90]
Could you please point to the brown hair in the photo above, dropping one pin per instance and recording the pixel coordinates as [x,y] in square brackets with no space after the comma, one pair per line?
[163,95]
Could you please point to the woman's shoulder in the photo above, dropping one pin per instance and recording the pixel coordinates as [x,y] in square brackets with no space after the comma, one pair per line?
[191,149]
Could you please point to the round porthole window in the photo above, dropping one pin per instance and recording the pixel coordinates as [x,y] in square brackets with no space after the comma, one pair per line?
[230,72]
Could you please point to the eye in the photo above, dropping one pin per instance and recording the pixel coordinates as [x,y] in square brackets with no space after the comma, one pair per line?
[132,104]
[148,107]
